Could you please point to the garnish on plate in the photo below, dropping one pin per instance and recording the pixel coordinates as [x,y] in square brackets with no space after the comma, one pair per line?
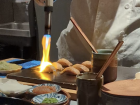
[49,100]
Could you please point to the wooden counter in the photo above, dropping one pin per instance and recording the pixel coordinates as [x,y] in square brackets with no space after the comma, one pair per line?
[123,73]
[70,91]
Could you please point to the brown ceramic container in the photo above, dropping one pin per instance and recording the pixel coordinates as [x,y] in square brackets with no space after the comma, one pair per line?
[88,89]
[98,60]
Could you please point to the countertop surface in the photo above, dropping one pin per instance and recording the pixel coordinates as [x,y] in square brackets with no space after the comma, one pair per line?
[123,73]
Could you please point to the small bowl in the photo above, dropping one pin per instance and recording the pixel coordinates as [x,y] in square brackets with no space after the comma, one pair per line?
[57,87]
[60,97]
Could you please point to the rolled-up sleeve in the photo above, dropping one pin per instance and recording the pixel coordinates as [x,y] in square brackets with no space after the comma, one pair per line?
[137,3]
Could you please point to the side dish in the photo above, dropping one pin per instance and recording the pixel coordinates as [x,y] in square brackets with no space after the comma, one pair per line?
[9,67]
[49,100]
[44,90]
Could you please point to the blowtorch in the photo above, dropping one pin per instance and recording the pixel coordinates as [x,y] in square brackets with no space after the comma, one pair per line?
[48,8]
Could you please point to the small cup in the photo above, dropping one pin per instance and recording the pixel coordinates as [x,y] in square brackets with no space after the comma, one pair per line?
[99,59]
[88,89]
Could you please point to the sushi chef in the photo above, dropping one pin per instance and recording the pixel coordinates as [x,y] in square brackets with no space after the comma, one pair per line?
[104,22]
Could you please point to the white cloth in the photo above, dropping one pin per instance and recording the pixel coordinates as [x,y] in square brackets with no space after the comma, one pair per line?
[8,86]
[137,3]
[104,22]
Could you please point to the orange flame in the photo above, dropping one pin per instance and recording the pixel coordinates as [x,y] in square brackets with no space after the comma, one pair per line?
[46,43]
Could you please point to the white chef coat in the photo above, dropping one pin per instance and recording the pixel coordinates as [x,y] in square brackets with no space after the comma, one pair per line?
[104,22]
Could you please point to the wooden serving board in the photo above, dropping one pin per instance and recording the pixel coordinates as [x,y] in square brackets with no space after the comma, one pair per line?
[33,75]
[126,88]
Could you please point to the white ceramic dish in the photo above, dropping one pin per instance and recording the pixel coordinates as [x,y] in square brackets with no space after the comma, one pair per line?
[12,87]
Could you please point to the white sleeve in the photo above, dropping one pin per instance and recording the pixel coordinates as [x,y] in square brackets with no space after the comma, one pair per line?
[62,45]
[137,3]
[72,46]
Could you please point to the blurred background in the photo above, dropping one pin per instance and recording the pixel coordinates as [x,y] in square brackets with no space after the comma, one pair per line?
[22,28]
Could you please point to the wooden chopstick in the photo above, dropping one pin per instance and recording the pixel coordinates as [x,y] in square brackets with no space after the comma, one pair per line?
[108,61]
[82,33]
